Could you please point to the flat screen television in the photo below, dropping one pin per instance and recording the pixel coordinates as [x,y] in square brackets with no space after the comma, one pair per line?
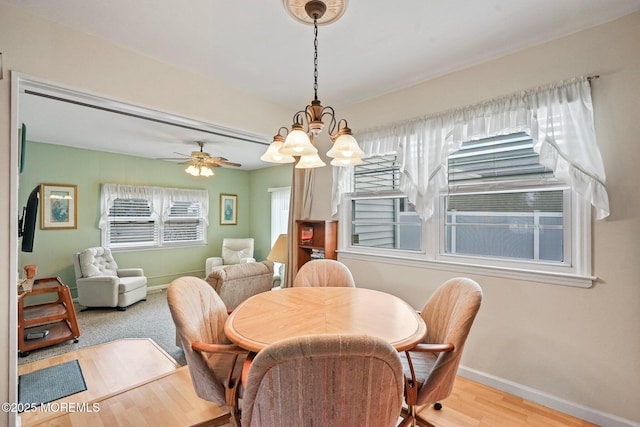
[29,221]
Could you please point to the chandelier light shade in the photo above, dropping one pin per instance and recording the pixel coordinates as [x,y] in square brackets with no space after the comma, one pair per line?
[309,122]
[273,153]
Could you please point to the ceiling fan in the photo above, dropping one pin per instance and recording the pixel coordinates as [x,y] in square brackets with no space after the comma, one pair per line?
[200,162]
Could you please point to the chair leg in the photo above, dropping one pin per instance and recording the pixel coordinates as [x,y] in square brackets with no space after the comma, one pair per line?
[222,420]
[411,418]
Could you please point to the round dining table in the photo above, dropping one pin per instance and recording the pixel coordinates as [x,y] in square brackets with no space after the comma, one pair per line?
[274,315]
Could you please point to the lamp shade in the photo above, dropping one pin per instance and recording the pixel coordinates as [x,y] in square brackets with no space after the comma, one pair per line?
[297,143]
[279,250]
[345,146]
[309,161]
[274,156]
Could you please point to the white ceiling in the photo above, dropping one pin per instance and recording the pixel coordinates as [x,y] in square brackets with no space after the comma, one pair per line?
[376,47]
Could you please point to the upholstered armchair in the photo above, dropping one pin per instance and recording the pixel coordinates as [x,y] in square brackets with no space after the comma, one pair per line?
[236,283]
[234,251]
[101,283]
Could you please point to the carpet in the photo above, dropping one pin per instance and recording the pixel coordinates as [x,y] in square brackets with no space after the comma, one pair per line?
[144,319]
[49,384]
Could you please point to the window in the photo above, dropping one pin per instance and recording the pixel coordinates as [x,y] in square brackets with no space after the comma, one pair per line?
[146,217]
[131,224]
[503,211]
[279,211]
[503,203]
[382,217]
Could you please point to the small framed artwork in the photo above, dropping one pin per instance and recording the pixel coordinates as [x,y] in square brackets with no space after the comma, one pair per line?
[228,209]
[59,206]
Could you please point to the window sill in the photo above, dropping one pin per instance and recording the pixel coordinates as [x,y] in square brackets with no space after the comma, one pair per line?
[511,273]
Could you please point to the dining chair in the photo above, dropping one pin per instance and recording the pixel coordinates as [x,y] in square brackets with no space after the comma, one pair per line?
[324,380]
[214,363]
[431,366]
[324,272]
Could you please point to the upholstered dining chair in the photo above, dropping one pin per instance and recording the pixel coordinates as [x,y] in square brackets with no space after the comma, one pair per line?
[430,368]
[214,363]
[324,380]
[324,272]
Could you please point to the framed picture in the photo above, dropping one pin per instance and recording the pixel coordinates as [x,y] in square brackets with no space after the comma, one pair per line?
[59,206]
[228,209]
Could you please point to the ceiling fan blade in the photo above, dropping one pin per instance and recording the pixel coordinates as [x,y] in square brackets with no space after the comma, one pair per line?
[237,165]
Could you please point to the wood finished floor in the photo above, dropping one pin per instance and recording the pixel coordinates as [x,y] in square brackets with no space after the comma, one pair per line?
[137,384]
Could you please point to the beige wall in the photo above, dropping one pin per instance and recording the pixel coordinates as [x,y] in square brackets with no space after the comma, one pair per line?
[581,345]
[45,50]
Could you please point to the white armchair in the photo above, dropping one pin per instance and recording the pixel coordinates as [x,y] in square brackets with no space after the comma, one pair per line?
[101,283]
[234,251]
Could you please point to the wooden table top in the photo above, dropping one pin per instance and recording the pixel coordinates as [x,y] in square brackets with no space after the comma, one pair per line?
[275,315]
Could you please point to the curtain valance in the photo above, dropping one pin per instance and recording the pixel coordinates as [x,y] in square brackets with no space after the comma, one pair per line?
[558,117]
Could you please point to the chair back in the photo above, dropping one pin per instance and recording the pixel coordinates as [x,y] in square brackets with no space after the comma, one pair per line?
[234,250]
[96,261]
[324,272]
[199,315]
[235,283]
[449,314]
[324,380]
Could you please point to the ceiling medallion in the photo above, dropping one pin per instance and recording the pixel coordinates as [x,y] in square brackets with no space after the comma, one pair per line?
[334,10]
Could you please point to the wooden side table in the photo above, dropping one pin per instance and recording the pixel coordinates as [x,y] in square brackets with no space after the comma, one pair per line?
[55,321]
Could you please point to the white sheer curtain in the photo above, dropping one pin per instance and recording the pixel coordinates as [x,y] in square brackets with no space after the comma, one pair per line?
[558,117]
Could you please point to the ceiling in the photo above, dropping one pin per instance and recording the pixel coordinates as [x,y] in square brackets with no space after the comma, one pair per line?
[257,47]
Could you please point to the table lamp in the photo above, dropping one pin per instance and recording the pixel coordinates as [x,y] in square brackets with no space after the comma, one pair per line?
[279,254]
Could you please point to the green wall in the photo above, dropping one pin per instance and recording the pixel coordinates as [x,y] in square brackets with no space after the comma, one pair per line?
[53,249]
[260,217]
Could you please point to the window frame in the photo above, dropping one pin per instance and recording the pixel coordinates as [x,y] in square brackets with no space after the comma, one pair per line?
[159,199]
[576,271]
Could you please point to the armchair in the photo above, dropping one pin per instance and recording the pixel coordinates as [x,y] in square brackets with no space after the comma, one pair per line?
[101,283]
[234,251]
[236,283]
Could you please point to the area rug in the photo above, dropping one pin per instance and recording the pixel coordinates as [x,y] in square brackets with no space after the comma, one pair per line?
[49,384]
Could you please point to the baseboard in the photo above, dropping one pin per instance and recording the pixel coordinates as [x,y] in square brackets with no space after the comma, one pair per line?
[150,290]
[544,399]
[157,288]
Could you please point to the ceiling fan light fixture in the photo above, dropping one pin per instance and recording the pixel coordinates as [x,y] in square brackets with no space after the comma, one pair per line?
[308,123]
[199,170]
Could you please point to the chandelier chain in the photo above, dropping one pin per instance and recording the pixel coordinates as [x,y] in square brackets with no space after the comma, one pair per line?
[315,57]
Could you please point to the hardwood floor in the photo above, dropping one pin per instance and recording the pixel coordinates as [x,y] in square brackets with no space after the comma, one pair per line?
[475,405]
[135,383]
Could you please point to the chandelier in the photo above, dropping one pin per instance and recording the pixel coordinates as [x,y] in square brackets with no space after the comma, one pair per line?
[309,122]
